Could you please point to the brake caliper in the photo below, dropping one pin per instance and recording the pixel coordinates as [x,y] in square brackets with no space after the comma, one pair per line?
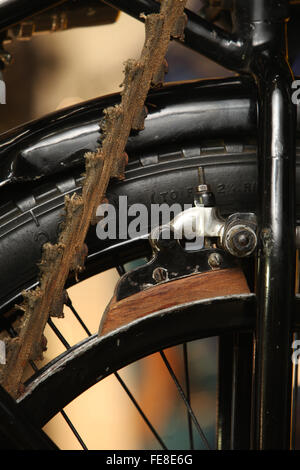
[197,240]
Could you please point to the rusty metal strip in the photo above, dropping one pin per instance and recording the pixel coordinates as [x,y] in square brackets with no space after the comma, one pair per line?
[69,253]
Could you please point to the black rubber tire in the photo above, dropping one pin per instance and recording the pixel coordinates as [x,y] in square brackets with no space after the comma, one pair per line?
[31,213]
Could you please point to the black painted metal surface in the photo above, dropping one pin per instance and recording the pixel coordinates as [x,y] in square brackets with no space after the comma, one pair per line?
[225,48]
[169,263]
[276,260]
[200,319]
[58,141]
[109,353]
[276,275]
[16,431]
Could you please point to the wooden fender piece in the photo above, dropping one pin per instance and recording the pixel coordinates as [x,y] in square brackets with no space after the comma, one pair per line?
[169,294]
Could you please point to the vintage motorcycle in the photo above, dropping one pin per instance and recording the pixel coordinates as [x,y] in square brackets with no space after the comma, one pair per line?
[240,135]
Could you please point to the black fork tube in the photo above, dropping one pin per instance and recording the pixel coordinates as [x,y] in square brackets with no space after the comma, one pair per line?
[276,260]
[276,263]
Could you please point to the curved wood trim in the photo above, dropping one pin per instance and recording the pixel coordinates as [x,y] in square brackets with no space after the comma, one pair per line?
[189,289]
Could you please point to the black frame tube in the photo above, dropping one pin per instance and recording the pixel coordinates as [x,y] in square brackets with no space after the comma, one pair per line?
[206,38]
[276,273]
[231,50]
[276,258]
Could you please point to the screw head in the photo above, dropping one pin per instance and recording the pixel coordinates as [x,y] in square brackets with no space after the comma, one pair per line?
[160,274]
[215,260]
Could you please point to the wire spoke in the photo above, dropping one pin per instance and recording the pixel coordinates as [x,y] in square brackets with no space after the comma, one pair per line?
[58,334]
[121,269]
[183,396]
[77,316]
[188,393]
[139,409]
[65,416]
[14,334]
[33,366]
[122,383]
[73,429]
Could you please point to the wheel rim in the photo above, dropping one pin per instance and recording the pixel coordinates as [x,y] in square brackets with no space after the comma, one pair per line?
[69,372]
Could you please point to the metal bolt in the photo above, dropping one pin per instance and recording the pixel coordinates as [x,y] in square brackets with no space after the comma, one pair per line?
[160,274]
[243,239]
[201,188]
[215,260]
[240,240]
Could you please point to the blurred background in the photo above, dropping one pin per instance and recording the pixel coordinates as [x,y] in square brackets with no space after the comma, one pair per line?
[52,71]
